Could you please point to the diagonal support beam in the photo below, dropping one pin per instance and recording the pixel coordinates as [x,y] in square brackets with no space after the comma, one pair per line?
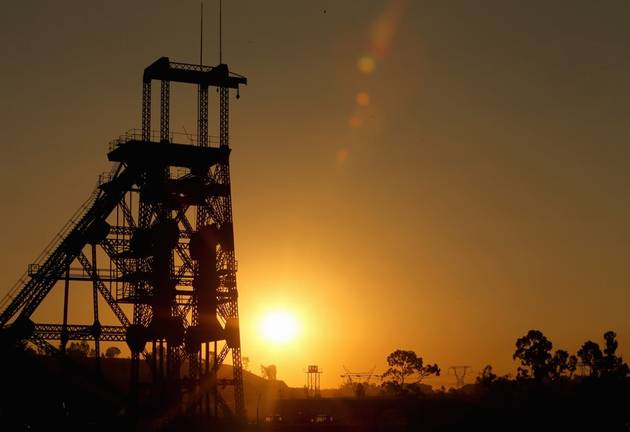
[222,355]
[104,291]
[44,345]
[181,218]
[127,214]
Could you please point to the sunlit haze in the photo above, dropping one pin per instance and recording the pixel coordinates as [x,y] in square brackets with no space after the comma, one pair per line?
[436,176]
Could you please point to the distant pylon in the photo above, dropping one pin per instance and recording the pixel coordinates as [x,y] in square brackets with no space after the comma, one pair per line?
[460,374]
[350,377]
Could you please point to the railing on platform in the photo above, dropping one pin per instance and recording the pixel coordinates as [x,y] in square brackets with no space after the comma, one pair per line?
[154,136]
[78,273]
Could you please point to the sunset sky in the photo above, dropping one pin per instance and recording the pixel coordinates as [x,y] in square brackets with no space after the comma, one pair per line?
[439,176]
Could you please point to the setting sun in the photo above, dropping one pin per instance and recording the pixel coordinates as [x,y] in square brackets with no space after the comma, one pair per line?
[279,327]
[332,216]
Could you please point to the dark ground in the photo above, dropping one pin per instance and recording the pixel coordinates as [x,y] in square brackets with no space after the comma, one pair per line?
[41,393]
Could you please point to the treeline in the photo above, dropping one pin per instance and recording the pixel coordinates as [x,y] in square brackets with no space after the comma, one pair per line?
[538,363]
[553,390]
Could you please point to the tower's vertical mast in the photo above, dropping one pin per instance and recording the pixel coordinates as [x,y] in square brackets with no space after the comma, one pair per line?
[139,309]
[96,326]
[165,97]
[229,259]
[146,110]
[202,96]
[202,121]
[194,357]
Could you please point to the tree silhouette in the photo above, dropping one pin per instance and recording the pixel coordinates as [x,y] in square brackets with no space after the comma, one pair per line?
[591,357]
[112,352]
[78,349]
[406,370]
[613,365]
[486,376]
[562,363]
[606,364]
[534,352]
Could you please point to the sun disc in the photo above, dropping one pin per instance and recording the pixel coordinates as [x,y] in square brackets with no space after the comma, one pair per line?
[279,327]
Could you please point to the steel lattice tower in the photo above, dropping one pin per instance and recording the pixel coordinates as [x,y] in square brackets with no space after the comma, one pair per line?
[460,374]
[162,218]
[313,376]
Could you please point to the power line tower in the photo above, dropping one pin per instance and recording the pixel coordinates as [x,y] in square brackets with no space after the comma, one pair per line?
[460,374]
[313,375]
[358,381]
[155,239]
[352,378]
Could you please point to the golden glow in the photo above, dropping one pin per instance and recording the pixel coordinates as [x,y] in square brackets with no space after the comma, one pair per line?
[366,64]
[279,327]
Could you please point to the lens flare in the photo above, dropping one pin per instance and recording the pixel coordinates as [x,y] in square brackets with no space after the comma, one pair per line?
[366,64]
[342,155]
[363,99]
[356,122]
[386,26]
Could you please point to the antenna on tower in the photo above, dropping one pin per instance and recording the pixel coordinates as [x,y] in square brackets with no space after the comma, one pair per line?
[220,31]
[201,37]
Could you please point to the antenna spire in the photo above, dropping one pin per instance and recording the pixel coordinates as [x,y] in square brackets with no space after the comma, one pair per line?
[220,31]
[201,37]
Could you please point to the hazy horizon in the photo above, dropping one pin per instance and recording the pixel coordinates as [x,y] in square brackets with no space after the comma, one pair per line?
[425,175]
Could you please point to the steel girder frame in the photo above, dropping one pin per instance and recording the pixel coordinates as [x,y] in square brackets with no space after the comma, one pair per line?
[111,196]
[58,261]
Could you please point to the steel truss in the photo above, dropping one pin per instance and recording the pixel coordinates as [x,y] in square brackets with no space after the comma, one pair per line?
[160,225]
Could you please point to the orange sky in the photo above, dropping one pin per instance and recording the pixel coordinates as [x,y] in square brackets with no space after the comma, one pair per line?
[429,175]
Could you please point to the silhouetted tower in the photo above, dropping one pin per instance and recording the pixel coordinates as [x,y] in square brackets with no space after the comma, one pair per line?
[161,226]
[313,374]
[352,378]
[460,374]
